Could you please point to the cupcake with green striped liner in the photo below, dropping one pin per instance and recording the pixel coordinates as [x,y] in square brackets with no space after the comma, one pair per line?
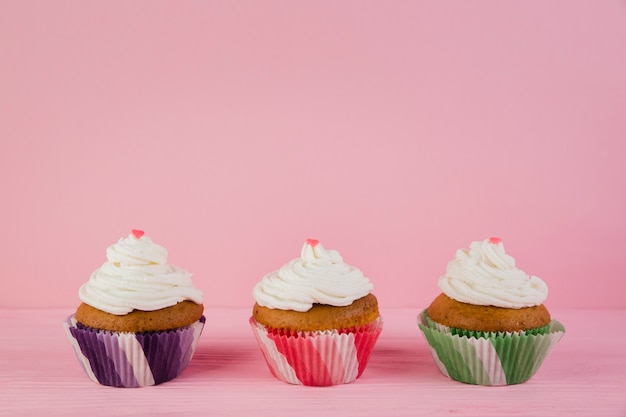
[489,325]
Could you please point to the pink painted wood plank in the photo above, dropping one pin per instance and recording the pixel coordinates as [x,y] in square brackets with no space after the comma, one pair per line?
[584,376]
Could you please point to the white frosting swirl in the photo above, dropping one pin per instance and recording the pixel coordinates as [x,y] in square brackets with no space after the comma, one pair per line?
[319,276]
[486,275]
[137,276]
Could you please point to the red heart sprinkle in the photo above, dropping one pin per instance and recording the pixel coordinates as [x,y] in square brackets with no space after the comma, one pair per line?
[495,240]
[137,233]
[312,242]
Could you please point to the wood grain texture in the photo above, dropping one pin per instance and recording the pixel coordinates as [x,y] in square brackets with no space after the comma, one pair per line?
[585,375]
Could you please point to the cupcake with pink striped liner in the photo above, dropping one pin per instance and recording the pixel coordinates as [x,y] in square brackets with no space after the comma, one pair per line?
[489,326]
[139,319]
[315,319]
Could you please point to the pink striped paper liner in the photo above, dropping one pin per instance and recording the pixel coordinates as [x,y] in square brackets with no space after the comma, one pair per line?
[319,358]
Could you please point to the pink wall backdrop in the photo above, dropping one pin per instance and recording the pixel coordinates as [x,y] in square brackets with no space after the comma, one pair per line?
[394,132]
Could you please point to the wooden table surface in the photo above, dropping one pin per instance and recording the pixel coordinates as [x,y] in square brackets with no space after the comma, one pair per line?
[585,375]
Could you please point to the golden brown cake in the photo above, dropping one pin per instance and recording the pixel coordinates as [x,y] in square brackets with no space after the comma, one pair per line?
[320,316]
[450,312]
[179,315]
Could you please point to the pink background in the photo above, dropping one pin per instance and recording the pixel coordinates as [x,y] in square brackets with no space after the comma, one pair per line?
[394,132]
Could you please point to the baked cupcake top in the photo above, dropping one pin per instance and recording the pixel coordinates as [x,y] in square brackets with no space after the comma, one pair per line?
[137,276]
[319,276]
[485,275]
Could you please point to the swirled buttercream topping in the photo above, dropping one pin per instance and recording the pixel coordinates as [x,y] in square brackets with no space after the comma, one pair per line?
[485,275]
[319,276]
[137,276]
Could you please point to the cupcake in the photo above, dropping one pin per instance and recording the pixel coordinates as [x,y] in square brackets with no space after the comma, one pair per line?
[489,325]
[140,318]
[315,319]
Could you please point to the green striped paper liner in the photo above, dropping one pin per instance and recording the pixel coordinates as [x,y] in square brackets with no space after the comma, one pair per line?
[494,358]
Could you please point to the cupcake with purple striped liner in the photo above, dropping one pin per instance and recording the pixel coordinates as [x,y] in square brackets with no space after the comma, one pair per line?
[140,318]
[315,319]
[489,326]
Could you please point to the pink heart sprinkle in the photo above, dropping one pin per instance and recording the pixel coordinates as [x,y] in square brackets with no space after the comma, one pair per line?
[137,233]
[312,242]
[495,240]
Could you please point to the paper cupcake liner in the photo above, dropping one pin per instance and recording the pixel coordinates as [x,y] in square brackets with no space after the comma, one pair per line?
[129,360]
[489,358]
[320,358]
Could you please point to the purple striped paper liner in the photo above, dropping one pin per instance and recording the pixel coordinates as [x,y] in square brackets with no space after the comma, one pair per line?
[130,360]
